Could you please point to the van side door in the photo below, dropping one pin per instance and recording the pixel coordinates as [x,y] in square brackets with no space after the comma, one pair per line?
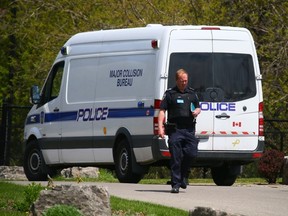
[78,110]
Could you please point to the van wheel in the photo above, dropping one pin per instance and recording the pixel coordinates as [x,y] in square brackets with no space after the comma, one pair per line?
[34,165]
[123,164]
[225,175]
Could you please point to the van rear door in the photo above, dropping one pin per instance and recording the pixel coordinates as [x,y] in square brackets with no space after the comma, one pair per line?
[236,106]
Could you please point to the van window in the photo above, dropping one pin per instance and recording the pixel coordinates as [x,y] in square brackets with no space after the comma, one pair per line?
[216,77]
[82,80]
[52,86]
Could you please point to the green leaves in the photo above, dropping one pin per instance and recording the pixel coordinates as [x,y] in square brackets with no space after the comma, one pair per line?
[40,28]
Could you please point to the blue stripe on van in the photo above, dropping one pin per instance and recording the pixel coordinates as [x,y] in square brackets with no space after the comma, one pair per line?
[72,115]
[130,112]
[61,116]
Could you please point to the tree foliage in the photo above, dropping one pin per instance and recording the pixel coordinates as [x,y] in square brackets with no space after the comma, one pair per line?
[33,31]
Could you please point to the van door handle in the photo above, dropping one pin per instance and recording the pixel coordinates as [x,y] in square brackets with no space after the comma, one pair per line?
[223,116]
[56,109]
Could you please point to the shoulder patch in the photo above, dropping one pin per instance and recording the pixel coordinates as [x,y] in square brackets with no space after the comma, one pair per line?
[191,89]
[171,90]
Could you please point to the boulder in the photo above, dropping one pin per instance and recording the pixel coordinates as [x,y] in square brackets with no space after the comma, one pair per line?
[285,171]
[86,172]
[12,173]
[205,211]
[88,199]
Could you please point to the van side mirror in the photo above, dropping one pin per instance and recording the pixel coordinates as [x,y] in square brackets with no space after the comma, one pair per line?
[35,94]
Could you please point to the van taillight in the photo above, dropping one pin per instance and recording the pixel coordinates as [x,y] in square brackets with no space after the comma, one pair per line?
[210,28]
[257,155]
[156,113]
[261,120]
[155,44]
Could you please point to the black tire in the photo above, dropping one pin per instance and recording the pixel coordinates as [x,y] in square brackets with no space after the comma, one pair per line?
[34,164]
[225,175]
[123,164]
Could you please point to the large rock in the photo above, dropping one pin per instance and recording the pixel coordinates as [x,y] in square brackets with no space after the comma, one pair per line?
[285,171]
[90,200]
[86,172]
[205,211]
[12,173]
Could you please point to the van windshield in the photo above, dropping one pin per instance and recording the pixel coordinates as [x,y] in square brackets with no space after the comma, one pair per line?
[216,77]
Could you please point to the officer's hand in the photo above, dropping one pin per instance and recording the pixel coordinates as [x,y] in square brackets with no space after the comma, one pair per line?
[196,112]
[161,132]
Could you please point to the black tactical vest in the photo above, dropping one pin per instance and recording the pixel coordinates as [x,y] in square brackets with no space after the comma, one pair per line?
[179,110]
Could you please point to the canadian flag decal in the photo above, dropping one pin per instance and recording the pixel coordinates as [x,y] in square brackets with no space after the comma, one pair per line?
[236,124]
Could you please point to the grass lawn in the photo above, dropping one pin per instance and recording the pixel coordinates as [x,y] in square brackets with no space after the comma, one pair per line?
[10,194]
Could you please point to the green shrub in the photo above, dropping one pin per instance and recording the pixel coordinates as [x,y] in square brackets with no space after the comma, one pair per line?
[31,193]
[62,210]
[270,165]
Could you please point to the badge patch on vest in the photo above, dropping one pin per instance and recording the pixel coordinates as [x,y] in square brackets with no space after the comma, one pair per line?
[180,101]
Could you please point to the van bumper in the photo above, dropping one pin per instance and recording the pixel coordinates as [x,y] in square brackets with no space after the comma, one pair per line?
[233,157]
[210,158]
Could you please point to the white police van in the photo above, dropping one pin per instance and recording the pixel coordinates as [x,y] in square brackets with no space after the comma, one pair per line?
[100,101]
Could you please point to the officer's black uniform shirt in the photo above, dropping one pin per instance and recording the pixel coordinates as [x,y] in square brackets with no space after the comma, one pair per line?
[178,105]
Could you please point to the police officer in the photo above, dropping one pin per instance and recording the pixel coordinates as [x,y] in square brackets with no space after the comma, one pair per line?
[182,105]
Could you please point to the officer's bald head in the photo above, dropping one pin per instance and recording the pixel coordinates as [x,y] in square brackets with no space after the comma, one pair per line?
[180,72]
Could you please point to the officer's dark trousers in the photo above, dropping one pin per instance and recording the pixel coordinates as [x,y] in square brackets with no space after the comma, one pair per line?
[183,147]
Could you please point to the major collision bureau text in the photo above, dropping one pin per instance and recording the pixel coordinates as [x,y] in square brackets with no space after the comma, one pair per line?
[125,76]
[101,113]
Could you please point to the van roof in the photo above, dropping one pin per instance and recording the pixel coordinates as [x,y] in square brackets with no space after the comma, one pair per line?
[151,31]
[91,42]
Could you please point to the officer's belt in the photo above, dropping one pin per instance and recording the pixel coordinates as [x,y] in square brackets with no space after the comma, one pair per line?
[184,126]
